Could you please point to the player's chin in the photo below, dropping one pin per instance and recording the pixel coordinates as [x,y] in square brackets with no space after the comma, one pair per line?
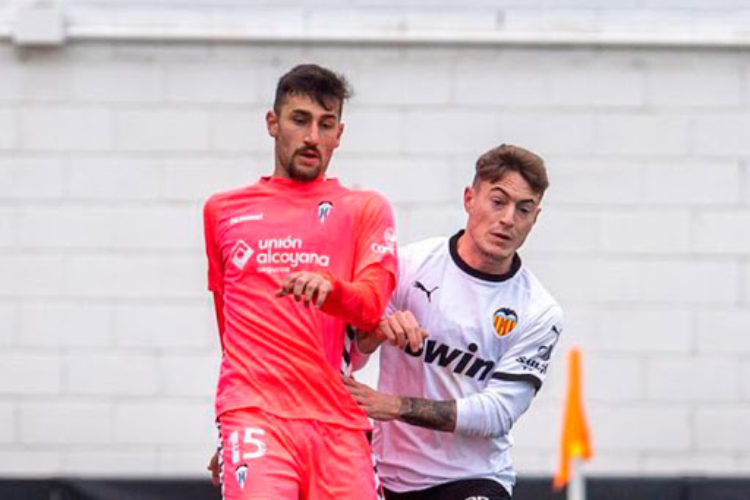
[500,251]
[305,172]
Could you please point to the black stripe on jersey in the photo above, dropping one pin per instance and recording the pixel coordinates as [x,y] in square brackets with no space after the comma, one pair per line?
[350,332]
[515,377]
[453,247]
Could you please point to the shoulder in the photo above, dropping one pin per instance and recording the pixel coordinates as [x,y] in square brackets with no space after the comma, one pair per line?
[217,200]
[542,306]
[423,248]
[416,255]
[365,198]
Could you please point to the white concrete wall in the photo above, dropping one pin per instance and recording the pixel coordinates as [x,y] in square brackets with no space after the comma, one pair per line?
[108,353]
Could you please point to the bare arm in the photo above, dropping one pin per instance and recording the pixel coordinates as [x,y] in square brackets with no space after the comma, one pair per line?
[428,413]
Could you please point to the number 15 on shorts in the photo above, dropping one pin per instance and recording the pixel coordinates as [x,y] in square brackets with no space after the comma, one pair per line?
[252,445]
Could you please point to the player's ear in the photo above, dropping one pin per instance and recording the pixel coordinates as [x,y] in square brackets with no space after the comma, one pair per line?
[469,197]
[339,133]
[536,214]
[272,123]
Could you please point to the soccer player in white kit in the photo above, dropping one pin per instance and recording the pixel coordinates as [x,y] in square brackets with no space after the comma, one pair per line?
[474,332]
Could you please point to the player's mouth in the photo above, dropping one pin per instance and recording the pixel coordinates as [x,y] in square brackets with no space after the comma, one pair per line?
[502,237]
[309,157]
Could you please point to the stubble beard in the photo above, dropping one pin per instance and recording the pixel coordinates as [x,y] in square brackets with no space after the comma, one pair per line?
[302,174]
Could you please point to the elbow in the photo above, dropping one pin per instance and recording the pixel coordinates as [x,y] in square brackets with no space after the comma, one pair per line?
[491,422]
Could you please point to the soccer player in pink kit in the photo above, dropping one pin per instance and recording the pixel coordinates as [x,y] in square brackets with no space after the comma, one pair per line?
[292,259]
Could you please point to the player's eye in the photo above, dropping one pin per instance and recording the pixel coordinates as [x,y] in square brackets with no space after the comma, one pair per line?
[328,125]
[526,208]
[299,119]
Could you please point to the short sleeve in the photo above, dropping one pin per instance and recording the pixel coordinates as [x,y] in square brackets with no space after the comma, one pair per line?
[215,266]
[529,357]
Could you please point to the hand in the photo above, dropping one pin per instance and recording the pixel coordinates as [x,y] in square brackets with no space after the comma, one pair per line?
[307,286]
[367,342]
[401,328]
[213,467]
[377,405]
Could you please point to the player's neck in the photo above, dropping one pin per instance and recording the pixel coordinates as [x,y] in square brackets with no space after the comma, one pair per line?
[478,260]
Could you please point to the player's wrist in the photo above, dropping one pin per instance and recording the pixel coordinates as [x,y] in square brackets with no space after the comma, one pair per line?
[405,407]
[368,344]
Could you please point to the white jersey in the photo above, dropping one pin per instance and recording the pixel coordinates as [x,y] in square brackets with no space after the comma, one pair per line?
[485,331]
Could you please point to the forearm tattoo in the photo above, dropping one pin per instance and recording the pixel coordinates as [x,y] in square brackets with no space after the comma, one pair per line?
[438,415]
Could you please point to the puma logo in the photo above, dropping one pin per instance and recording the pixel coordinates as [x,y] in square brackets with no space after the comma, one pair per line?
[420,286]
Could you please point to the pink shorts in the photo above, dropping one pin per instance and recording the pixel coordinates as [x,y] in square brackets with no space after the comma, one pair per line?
[263,456]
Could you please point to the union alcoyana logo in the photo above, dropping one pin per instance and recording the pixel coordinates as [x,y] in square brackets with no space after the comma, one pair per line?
[504,320]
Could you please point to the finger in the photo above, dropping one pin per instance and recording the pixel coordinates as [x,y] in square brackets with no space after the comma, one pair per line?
[413,331]
[323,292]
[414,339]
[395,322]
[357,394]
[310,289]
[299,287]
[286,285]
[386,331]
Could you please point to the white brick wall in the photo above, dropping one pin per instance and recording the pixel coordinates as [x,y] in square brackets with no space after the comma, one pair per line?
[162,275]
[62,324]
[162,130]
[108,179]
[8,129]
[65,129]
[7,422]
[30,373]
[723,428]
[65,422]
[644,231]
[165,326]
[693,379]
[745,381]
[110,373]
[107,462]
[641,135]
[642,428]
[8,220]
[167,422]
[107,151]
[31,177]
[8,323]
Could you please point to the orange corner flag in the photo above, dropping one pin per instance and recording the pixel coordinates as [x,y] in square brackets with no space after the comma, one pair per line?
[575,442]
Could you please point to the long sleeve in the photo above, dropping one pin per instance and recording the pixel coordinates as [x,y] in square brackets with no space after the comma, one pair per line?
[361,302]
[492,412]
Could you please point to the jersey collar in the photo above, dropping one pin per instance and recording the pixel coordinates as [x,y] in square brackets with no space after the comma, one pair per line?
[282,184]
[453,245]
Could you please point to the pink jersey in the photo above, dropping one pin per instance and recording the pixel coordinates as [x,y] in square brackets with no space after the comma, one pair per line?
[279,355]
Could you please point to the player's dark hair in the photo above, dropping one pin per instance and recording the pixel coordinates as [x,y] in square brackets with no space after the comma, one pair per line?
[325,87]
[497,162]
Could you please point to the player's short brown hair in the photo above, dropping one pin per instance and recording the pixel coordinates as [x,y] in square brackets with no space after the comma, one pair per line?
[325,87]
[497,162]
